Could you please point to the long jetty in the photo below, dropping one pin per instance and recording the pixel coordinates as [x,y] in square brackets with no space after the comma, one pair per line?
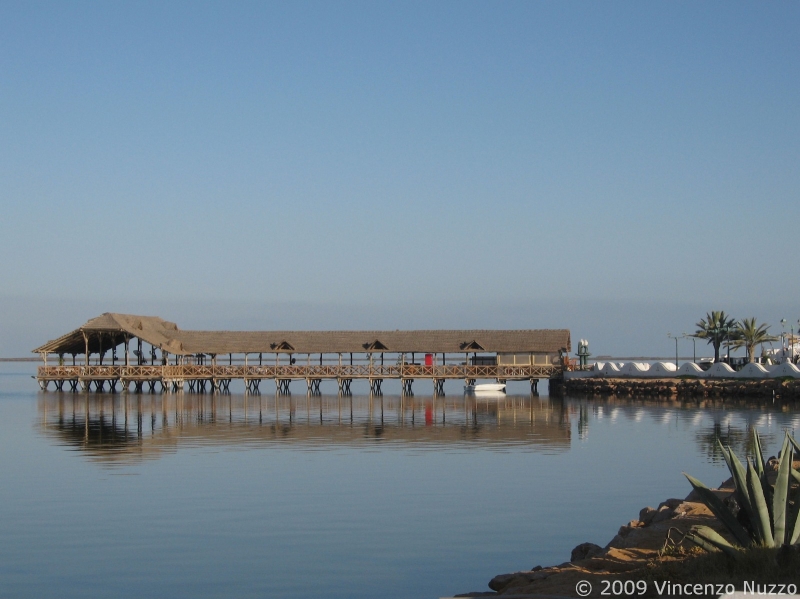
[151,354]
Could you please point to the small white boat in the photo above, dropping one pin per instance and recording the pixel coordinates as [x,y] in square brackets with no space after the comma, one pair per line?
[486,388]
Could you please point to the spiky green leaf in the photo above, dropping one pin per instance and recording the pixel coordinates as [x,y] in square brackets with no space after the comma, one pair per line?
[794,442]
[725,455]
[705,537]
[703,543]
[780,498]
[769,493]
[758,455]
[785,445]
[722,513]
[793,532]
[740,482]
[756,493]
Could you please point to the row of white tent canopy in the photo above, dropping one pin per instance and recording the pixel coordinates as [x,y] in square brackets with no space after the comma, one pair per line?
[719,370]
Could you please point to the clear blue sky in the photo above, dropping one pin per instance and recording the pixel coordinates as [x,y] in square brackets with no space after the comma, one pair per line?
[616,168]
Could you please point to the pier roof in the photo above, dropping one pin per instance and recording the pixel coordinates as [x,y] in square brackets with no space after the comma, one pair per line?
[111,329]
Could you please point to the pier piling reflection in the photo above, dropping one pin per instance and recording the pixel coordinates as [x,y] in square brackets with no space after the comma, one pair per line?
[113,427]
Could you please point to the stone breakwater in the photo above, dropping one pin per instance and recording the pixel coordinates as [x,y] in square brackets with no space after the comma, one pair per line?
[784,390]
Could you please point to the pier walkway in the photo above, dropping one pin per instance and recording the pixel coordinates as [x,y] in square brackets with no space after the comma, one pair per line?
[193,377]
[157,356]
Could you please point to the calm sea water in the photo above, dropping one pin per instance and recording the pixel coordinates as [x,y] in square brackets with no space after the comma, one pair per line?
[233,496]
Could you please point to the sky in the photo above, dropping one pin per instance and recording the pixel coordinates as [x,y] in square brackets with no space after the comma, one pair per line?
[616,168]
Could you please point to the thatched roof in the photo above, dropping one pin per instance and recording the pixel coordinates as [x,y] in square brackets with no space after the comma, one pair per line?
[167,336]
[115,329]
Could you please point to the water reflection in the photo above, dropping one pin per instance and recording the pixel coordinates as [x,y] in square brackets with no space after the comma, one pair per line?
[729,421]
[122,428]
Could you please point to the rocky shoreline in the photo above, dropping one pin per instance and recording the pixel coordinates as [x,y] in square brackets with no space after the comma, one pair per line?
[656,536]
[631,551]
[778,389]
[649,551]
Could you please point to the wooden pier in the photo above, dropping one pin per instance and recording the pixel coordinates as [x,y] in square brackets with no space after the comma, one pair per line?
[159,357]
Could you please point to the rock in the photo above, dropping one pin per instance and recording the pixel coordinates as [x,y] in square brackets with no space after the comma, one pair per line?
[617,541]
[646,515]
[625,529]
[693,497]
[664,513]
[501,581]
[672,388]
[670,503]
[585,551]
[519,579]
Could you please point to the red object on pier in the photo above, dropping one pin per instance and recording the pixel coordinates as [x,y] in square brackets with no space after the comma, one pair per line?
[428,359]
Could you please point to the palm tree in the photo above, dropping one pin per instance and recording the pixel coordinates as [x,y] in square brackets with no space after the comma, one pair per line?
[714,328]
[748,335]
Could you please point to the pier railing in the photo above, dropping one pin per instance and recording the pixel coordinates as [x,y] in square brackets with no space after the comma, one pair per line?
[297,372]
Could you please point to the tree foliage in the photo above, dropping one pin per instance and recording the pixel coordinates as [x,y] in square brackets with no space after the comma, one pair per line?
[715,328]
[749,334]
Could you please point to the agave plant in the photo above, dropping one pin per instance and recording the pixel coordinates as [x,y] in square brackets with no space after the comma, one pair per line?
[768,516]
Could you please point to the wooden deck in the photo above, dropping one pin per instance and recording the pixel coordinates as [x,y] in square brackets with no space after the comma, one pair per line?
[177,377]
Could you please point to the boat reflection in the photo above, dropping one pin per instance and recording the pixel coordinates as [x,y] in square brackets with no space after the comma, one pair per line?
[120,428]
